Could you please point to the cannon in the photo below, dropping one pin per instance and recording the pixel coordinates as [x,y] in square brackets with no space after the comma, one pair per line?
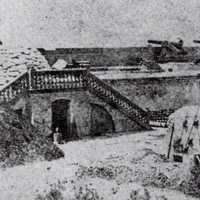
[158,42]
[169,51]
[196,41]
[178,45]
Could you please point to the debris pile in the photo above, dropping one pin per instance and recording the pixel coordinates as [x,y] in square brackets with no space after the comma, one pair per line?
[138,194]
[105,172]
[53,194]
[75,191]
[120,173]
[16,61]
[192,185]
[158,174]
[86,193]
[159,180]
[150,169]
[20,142]
[144,194]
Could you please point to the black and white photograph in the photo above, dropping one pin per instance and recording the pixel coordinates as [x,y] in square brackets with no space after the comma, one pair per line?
[99,99]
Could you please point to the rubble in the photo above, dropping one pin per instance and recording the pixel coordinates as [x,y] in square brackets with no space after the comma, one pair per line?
[21,143]
[138,194]
[115,178]
[120,173]
[15,61]
[86,193]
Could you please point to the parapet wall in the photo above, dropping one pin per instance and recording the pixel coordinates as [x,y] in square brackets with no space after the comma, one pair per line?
[160,93]
[86,115]
[104,56]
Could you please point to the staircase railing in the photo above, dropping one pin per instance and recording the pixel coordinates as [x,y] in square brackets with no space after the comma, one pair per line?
[43,81]
[159,118]
[57,80]
[117,100]
[15,88]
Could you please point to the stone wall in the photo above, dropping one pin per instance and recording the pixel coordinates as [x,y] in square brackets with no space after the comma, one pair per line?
[121,123]
[103,56]
[82,112]
[101,120]
[160,93]
[148,93]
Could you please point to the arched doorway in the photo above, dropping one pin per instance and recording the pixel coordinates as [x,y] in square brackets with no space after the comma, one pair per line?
[61,117]
[101,121]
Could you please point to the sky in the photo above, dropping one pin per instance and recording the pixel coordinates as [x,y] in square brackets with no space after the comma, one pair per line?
[97,23]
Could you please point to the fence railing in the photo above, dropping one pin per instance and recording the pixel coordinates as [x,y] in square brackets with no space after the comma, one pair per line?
[43,81]
[160,118]
[57,80]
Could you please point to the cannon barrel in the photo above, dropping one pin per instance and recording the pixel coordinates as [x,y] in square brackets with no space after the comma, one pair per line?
[155,42]
[196,41]
[177,44]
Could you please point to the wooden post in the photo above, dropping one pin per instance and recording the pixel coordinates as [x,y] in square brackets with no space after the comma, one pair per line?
[85,76]
[170,142]
[30,77]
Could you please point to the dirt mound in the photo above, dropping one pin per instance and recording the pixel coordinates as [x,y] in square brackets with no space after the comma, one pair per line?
[192,186]
[120,173]
[20,142]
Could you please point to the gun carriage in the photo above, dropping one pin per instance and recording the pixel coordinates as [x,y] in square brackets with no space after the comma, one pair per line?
[166,51]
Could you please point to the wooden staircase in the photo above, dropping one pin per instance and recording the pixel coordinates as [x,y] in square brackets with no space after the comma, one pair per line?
[73,79]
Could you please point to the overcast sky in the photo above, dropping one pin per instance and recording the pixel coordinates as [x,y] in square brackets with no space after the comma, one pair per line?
[102,23]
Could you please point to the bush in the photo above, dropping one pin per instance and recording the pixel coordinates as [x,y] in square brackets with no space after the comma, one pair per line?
[53,194]
[192,186]
[137,195]
[86,193]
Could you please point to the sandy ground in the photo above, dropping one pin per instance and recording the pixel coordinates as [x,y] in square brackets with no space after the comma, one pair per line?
[26,182]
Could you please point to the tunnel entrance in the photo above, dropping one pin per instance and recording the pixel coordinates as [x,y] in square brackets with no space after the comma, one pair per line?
[61,117]
[101,121]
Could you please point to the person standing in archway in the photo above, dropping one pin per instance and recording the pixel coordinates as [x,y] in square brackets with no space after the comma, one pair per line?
[57,136]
